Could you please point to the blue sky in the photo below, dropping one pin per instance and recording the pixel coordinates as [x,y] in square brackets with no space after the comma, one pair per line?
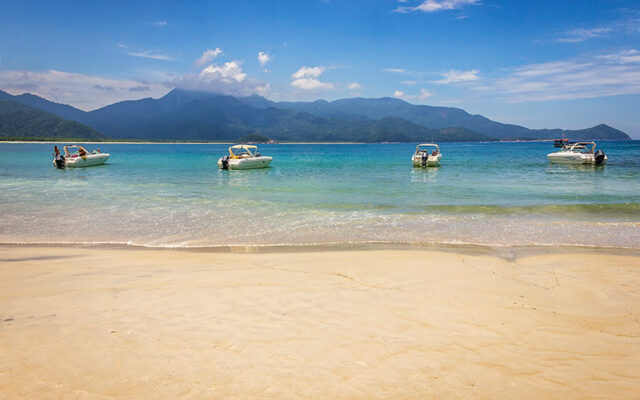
[567,64]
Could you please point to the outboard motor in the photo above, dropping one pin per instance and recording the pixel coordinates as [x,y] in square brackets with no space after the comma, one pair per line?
[599,157]
[60,161]
[425,157]
[225,162]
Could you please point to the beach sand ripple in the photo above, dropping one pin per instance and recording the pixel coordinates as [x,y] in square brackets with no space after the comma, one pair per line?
[95,323]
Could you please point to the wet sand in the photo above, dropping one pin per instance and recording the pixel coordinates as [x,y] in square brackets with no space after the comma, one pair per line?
[126,323]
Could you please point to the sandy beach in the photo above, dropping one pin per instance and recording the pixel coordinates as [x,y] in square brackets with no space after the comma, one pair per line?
[412,323]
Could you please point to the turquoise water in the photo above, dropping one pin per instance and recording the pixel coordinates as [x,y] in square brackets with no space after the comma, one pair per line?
[174,195]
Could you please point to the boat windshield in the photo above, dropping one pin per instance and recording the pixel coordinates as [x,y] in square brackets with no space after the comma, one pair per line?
[242,151]
[583,147]
[79,150]
[428,148]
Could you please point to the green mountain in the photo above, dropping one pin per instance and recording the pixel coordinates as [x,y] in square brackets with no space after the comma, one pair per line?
[601,131]
[20,121]
[219,117]
[392,129]
[196,115]
[442,117]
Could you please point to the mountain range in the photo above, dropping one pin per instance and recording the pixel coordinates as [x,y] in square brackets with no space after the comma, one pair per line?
[20,121]
[195,115]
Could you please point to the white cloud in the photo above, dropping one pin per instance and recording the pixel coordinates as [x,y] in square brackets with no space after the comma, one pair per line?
[158,23]
[353,86]
[631,25]
[82,91]
[152,54]
[437,5]
[396,70]
[627,25]
[413,82]
[423,94]
[90,92]
[580,34]
[227,78]
[264,58]
[602,75]
[306,78]
[228,72]
[308,72]
[455,76]
[415,74]
[263,90]
[208,56]
[623,57]
[311,84]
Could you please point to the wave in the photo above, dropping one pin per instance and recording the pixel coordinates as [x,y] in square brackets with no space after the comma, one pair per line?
[601,210]
[347,245]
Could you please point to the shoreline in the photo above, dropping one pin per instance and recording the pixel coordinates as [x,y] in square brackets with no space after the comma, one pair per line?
[129,323]
[230,143]
[338,247]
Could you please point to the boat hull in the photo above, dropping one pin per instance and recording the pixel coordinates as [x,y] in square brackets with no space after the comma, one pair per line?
[247,163]
[572,158]
[432,161]
[87,161]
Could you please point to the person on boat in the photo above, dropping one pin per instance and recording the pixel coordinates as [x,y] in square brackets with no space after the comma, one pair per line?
[82,152]
[56,151]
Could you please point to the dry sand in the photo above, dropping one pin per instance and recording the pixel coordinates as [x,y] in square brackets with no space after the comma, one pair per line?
[90,323]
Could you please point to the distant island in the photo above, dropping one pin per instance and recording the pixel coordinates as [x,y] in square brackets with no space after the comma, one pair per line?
[256,139]
[183,115]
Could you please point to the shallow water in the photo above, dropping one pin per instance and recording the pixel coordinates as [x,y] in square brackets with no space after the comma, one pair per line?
[174,195]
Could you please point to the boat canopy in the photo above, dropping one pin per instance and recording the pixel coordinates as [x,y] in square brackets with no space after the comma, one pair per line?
[240,149]
[582,147]
[426,146]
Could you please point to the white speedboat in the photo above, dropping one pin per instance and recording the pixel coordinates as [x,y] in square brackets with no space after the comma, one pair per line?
[427,155]
[80,158]
[578,153]
[244,156]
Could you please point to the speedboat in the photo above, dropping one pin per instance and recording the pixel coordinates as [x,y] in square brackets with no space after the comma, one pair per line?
[79,158]
[578,153]
[244,156]
[427,155]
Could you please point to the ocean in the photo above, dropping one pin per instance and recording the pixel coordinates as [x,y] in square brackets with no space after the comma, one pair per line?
[166,195]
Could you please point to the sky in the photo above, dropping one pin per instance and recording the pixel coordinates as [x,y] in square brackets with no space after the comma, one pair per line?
[541,64]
